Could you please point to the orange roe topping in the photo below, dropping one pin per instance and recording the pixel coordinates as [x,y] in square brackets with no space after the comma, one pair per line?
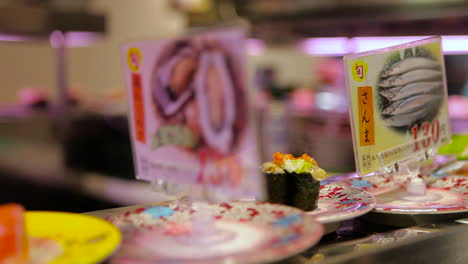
[279,158]
[309,159]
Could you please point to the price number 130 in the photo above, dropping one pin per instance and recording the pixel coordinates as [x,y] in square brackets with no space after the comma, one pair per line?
[430,134]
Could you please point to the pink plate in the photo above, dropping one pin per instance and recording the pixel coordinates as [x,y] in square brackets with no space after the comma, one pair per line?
[261,232]
[338,203]
[444,196]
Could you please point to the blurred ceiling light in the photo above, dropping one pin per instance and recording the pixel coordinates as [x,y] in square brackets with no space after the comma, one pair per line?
[341,46]
[455,44]
[82,38]
[324,46]
[361,44]
[73,38]
[255,47]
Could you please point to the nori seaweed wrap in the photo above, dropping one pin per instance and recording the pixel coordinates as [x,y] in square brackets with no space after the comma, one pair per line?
[293,181]
[305,192]
[275,183]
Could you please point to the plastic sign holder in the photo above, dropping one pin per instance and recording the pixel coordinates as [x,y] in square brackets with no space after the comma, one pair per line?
[409,166]
[204,231]
[398,112]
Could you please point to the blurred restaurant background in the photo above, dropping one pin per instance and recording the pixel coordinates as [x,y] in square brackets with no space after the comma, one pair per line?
[64,139]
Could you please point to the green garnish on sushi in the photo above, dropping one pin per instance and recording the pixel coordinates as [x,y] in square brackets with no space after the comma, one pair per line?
[297,166]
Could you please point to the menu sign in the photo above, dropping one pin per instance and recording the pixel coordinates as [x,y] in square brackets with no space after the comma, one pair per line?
[189,113]
[398,103]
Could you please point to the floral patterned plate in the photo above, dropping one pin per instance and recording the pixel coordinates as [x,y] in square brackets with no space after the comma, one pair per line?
[337,203]
[457,168]
[257,232]
[445,195]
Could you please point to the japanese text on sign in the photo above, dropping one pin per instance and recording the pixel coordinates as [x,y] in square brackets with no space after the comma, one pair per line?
[139,109]
[366,116]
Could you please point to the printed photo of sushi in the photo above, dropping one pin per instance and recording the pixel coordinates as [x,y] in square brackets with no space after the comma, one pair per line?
[197,84]
[411,88]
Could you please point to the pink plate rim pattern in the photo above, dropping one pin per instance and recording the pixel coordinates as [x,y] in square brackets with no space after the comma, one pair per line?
[292,231]
[338,203]
[380,184]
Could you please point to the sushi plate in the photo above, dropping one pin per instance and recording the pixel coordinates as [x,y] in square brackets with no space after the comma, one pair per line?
[338,203]
[59,238]
[256,232]
[447,195]
[457,168]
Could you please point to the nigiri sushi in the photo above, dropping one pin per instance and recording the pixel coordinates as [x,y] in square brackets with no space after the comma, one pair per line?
[293,181]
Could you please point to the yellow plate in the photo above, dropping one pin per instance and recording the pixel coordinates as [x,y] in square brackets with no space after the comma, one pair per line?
[84,239]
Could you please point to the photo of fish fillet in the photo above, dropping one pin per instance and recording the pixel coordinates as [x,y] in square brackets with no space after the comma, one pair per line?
[410,90]
[409,64]
[405,119]
[388,83]
[403,92]
[418,75]
[410,104]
